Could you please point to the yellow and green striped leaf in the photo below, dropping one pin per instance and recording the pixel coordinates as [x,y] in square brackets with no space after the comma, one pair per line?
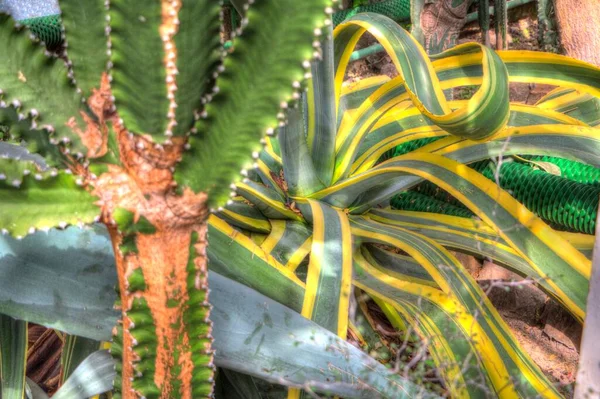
[301,174]
[487,111]
[455,281]
[523,67]
[321,111]
[329,270]
[268,201]
[545,250]
[245,216]
[289,242]
[236,256]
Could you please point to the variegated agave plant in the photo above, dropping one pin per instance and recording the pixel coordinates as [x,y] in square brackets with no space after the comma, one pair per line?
[309,222]
[143,123]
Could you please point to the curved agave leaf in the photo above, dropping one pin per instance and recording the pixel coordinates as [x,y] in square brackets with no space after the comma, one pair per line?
[327,294]
[300,349]
[456,69]
[567,269]
[402,126]
[434,318]
[488,109]
[577,143]
[61,279]
[457,344]
[578,105]
[300,172]
[455,281]
[355,93]
[288,242]
[240,214]
[399,266]
[388,96]
[269,202]
[236,256]
[321,111]
[452,232]
[427,223]
[362,191]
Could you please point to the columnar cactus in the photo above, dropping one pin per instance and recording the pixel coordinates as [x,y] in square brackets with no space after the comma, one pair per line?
[144,122]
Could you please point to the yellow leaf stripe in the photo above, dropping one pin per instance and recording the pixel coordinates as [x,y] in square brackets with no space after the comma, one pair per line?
[456,282]
[552,241]
[329,277]
[256,250]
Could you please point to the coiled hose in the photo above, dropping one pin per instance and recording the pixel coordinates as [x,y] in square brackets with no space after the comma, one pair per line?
[567,202]
[414,201]
[555,199]
[48,29]
[572,170]
[398,10]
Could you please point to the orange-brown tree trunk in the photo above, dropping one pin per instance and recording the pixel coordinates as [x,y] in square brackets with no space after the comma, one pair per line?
[164,336]
[163,341]
[579,28]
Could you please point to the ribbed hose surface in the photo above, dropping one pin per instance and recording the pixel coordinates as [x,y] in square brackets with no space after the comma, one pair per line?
[572,170]
[47,29]
[554,198]
[398,10]
[569,201]
[414,201]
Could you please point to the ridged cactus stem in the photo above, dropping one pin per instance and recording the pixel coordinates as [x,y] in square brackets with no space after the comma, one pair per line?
[159,240]
[166,334]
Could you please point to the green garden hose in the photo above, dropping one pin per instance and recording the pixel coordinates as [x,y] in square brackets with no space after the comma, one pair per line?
[412,145]
[562,202]
[398,10]
[41,16]
[554,198]
[414,201]
[572,170]
[569,201]
[47,29]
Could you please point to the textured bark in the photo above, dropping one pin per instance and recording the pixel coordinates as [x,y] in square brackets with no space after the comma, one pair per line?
[160,252]
[441,22]
[144,186]
[163,258]
[579,28]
